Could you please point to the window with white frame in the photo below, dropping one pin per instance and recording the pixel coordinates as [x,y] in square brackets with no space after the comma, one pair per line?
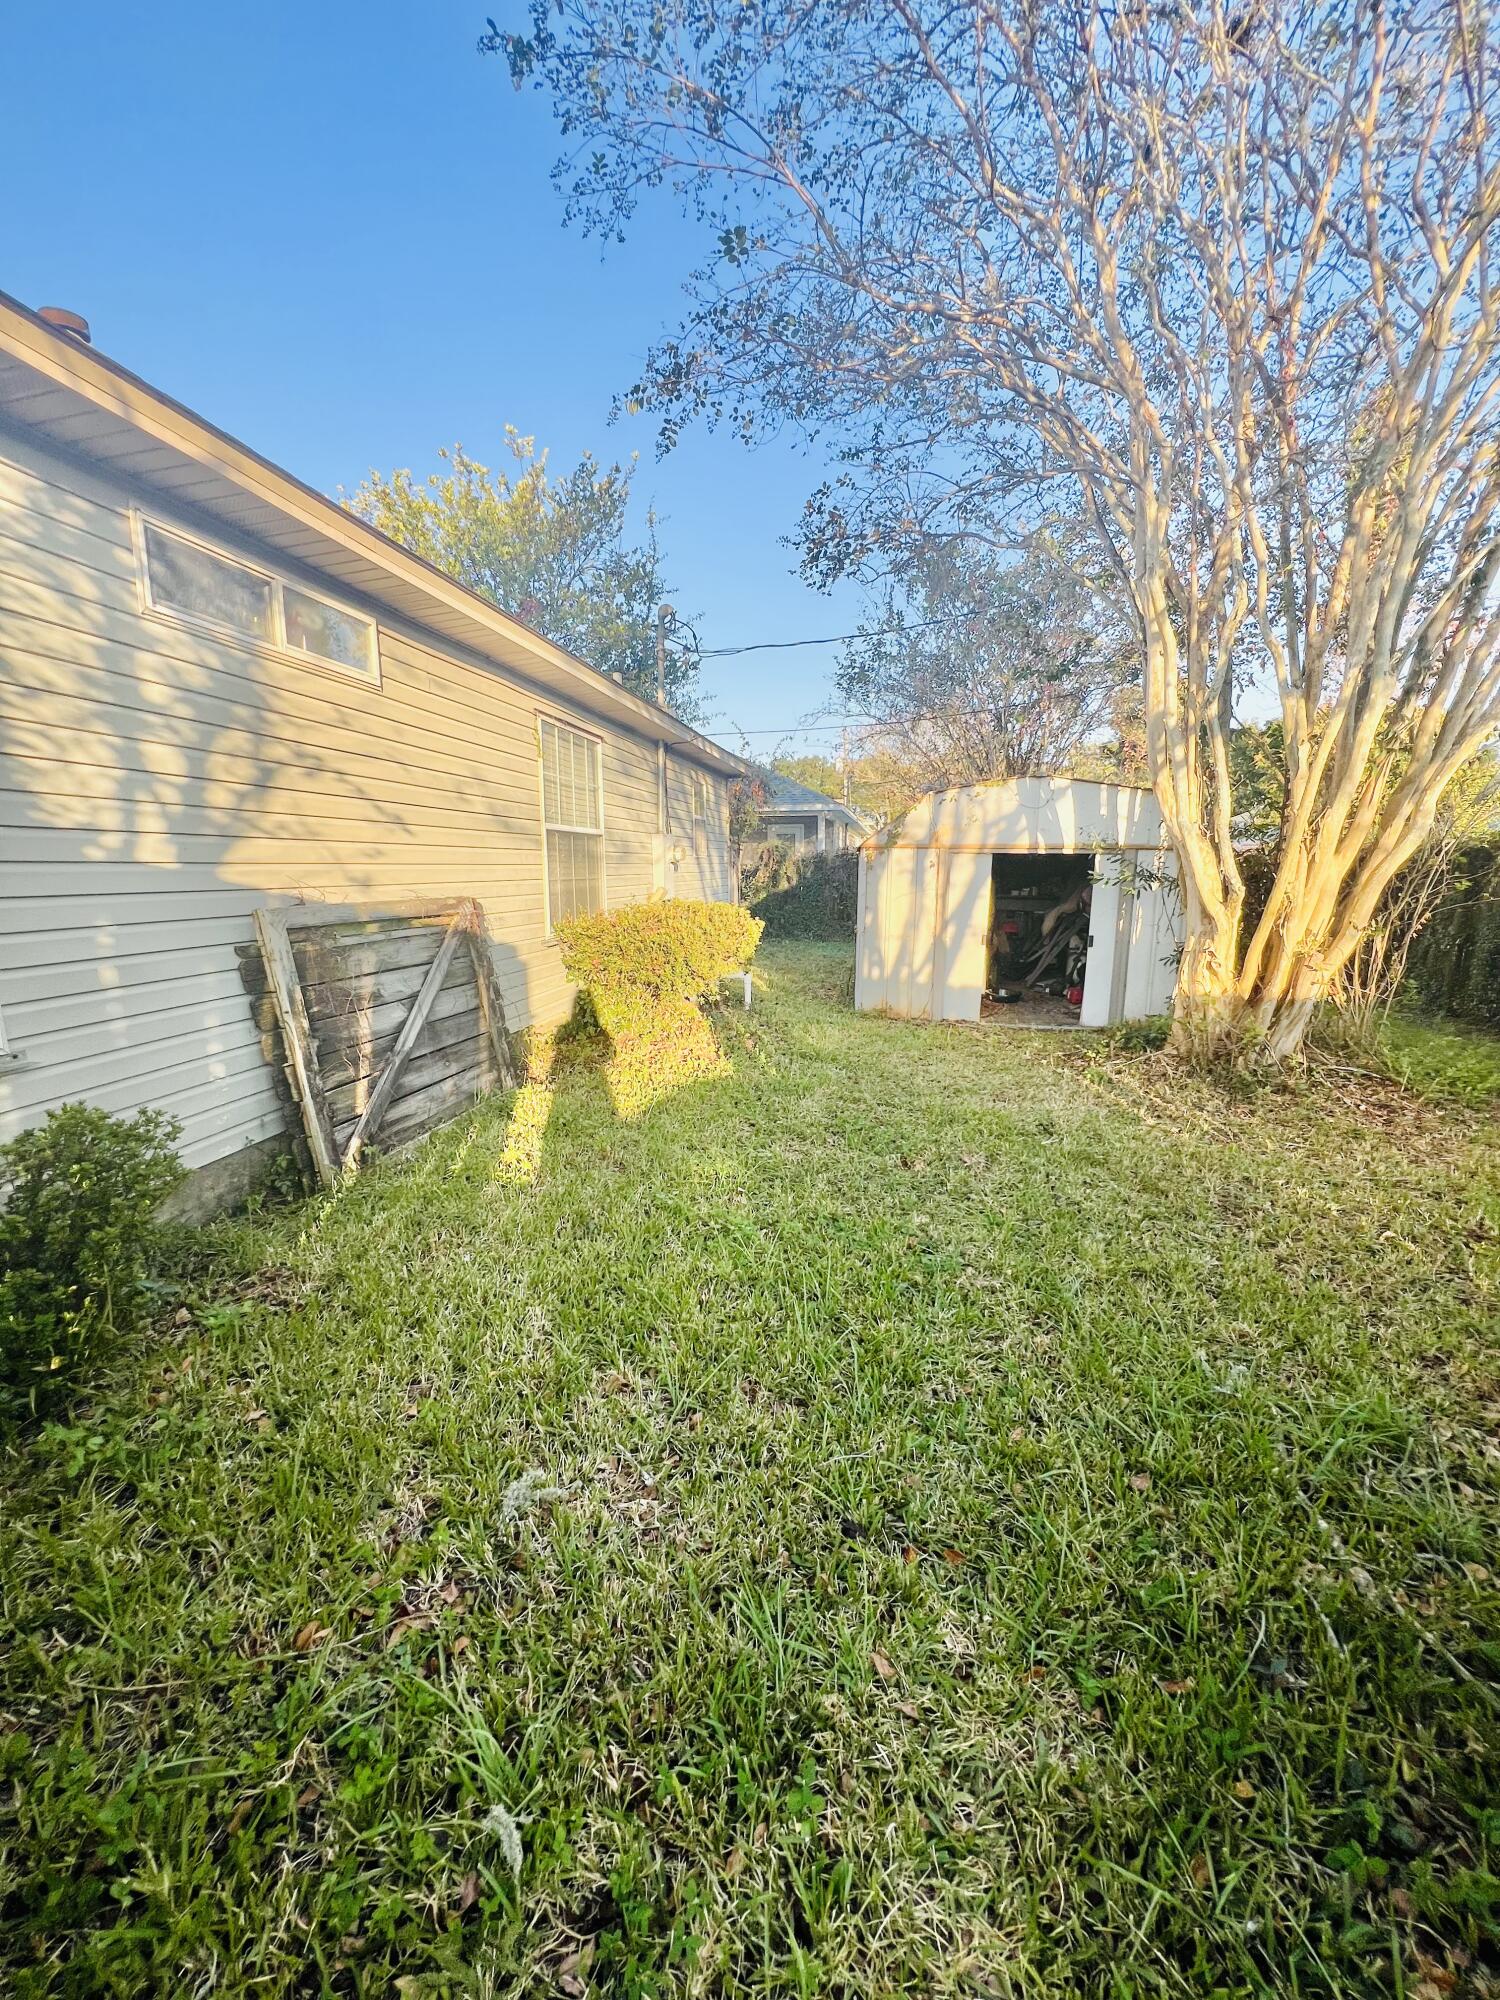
[572,822]
[702,807]
[190,580]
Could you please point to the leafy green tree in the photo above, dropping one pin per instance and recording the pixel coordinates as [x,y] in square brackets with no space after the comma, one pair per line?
[879,782]
[821,773]
[554,553]
[1257,776]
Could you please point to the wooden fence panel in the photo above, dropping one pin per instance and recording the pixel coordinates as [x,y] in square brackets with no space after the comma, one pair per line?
[381,1027]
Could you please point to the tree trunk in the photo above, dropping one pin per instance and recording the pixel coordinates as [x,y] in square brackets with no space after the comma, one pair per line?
[1215,1025]
[1208,1017]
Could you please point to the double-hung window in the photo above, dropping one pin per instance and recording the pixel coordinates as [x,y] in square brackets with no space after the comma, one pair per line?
[200,585]
[702,800]
[572,822]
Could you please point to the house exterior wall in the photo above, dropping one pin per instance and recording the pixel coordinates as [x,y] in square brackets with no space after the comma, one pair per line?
[825,833]
[793,828]
[706,871]
[159,783]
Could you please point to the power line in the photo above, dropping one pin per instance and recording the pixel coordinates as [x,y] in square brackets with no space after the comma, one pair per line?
[798,728]
[836,639]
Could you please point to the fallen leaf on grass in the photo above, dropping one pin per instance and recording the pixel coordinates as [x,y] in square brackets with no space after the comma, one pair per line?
[908,1554]
[1435,1983]
[240,1814]
[1243,1789]
[1201,1871]
[882,1665]
[1178,1687]
[312,1634]
[953,1556]
[1141,1481]
[468,1891]
[572,1971]
[417,1622]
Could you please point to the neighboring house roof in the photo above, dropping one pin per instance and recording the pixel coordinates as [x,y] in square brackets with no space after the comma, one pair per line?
[787,795]
[53,384]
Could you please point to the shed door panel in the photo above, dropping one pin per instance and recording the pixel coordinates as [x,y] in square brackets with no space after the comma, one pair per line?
[964,940]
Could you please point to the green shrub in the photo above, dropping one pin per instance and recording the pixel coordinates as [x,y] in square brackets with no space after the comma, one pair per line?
[1143,1037]
[80,1195]
[640,970]
[678,948]
[804,895]
[1455,963]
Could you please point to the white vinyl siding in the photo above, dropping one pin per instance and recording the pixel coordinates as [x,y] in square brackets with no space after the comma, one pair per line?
[573,821]
[161,780]
[694,797]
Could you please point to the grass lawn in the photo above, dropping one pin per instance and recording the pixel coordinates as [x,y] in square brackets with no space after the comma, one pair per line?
[936,1511]
[1444,1059]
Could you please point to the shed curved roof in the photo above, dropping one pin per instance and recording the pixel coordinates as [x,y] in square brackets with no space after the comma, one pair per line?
[1029,816]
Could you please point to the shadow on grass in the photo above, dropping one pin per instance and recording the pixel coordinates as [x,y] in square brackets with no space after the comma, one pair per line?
[635,1067]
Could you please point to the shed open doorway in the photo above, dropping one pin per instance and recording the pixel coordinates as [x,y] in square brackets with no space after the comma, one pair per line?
[1038,939]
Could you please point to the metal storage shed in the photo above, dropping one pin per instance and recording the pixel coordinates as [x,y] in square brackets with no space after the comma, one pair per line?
[931,887]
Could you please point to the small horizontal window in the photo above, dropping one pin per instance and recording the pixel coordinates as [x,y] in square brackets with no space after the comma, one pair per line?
[327,631]
[189,580]
[193,580]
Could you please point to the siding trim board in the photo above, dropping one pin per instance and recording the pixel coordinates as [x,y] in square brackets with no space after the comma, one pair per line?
[161,783]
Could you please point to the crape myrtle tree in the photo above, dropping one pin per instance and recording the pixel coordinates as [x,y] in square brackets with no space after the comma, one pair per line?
[1221,276]
[974,667]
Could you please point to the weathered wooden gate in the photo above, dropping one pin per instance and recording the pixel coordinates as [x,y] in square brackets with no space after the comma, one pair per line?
[382,1027]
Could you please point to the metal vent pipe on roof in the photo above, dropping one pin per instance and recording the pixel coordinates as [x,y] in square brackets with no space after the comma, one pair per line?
[67,322]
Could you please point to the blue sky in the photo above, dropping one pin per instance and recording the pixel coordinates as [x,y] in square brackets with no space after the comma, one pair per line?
[331,231]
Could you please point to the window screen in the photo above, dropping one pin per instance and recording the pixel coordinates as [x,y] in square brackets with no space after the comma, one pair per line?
[572,821]
[700,812]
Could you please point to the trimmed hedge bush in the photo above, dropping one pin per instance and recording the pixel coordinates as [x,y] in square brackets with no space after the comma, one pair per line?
[642,969]
[80,1197]
[682,948]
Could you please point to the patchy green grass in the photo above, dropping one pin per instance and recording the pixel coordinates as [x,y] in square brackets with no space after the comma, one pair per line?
[1444,1059]
[1000,1521]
